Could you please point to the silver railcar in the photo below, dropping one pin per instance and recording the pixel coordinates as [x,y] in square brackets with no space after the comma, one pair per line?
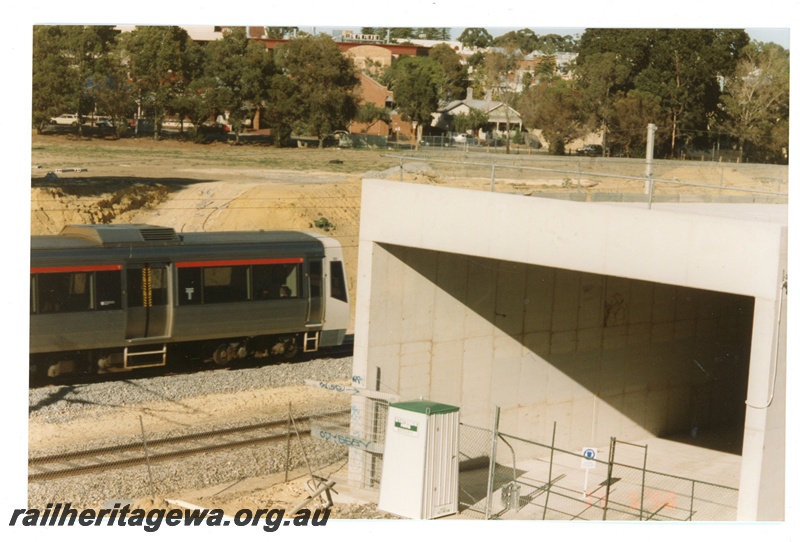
[119,297]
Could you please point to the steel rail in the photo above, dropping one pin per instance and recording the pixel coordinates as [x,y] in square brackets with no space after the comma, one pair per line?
[277,426]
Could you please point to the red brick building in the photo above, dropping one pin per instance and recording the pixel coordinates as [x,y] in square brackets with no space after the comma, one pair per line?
[370,91]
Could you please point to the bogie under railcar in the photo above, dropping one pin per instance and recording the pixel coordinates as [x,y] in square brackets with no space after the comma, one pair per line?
[108,298]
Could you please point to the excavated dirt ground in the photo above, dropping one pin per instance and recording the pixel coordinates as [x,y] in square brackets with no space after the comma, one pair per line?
[224,187]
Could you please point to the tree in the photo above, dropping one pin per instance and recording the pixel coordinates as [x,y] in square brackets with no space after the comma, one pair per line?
[469,122]
[280,32]
[525,40]
[67,60]
[756,100]
[600,78]
[628,117]
[630,47]
[416,82]
[242,70]
[369,113]
[551,43]
[280,112]
[54,92]
[554,107]
[680,66]
[199,103]
[546,69]
[498,76]
[159,67]
[322,82]
[476,38]
[454,85]
[400,33]
[112,92]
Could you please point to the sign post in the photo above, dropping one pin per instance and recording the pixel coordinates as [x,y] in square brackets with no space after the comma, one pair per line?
[587,462]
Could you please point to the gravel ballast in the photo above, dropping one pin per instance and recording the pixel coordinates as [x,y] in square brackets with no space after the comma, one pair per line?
[77,407]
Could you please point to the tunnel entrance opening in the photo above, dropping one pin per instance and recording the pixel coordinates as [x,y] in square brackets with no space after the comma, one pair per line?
[602,356]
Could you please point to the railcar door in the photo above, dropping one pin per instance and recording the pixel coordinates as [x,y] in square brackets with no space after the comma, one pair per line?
[148,307]
[315,294]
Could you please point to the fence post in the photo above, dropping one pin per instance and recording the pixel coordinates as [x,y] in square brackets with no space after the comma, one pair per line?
[644,473]
[608,478]
[147,457]
[490,482]
[288,441]
[550,474]
[650,184]
[493,166]
[401,169]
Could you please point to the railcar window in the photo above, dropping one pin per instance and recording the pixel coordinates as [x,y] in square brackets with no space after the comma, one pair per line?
[158,285]
[64,292]
[338,289]
[276,281]
[147,286]
[225,284]
[108,287]
[315,272]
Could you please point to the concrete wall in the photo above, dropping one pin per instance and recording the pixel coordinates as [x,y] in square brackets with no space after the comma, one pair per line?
[610,319]
[601,356]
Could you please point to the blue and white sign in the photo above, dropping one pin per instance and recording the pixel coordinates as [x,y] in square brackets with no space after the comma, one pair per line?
[588,458]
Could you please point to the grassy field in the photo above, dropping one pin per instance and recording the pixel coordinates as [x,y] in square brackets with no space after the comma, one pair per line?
[51,151]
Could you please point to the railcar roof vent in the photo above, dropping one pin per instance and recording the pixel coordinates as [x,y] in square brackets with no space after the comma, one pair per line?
[122,234]
[158,233]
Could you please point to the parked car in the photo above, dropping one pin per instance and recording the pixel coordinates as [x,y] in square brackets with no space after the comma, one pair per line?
[590,150]
[67,119]
[460,138]
[214,128]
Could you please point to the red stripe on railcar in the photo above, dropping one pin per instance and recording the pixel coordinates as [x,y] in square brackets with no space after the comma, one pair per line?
[77,268]
[221,263]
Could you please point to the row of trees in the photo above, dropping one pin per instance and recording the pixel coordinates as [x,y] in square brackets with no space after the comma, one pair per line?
[700,87]
[306,85]
[703,88]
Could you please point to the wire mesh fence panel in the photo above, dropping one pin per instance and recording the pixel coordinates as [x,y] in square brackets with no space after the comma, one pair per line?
[161,457]
[561,485]
[604,179]
[475,447]
[362,437]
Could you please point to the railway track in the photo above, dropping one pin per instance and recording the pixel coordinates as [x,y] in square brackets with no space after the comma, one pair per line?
[151,451]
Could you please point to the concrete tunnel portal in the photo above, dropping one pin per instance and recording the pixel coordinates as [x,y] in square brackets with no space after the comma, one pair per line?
[611,320]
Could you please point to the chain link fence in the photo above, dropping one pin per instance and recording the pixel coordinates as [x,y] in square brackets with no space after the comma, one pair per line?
[158,458]
[363,435]
[537,481]
[501,476]
[607,179]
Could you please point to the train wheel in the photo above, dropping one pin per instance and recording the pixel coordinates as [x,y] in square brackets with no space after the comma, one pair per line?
[290,348]
[222,355]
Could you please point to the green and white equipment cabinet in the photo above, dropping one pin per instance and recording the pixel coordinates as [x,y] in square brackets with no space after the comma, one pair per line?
[420,460]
